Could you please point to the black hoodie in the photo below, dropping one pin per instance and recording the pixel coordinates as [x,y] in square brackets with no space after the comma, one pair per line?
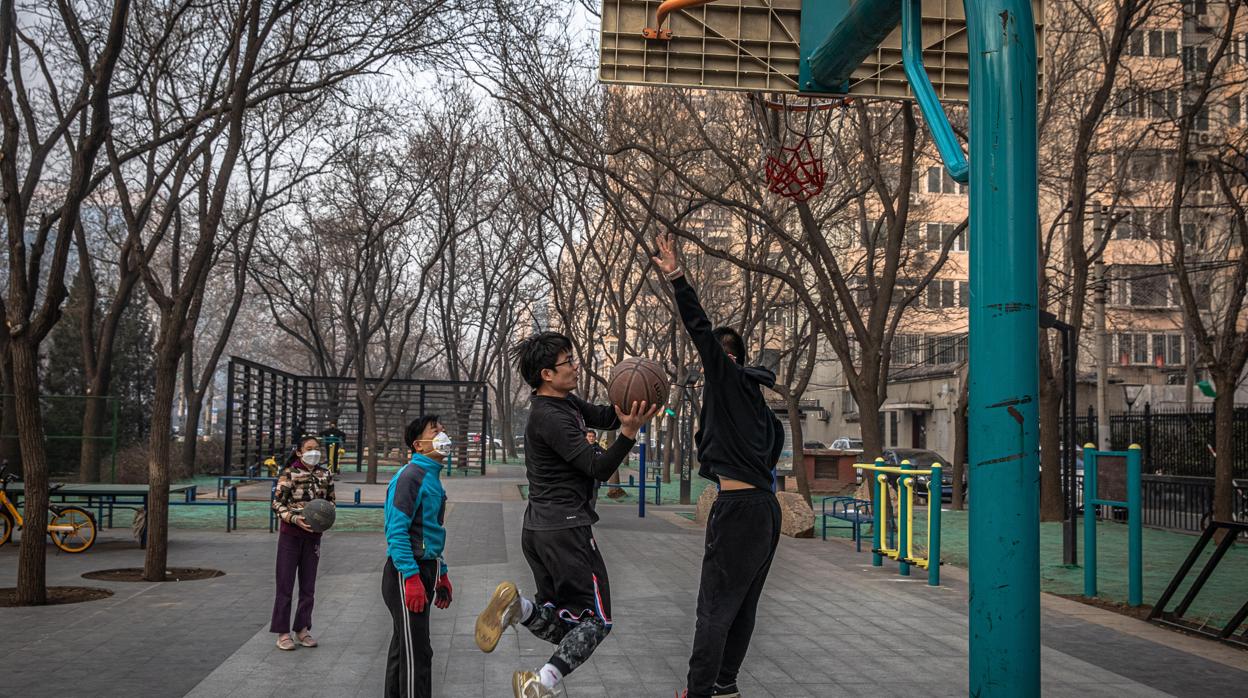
[739,437]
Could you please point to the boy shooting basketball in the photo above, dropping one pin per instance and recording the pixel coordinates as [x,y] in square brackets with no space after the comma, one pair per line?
[739,440]
[572,607]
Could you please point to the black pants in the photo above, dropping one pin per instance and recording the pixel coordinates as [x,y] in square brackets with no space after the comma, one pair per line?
[573,600]
[741,538]
[409,670]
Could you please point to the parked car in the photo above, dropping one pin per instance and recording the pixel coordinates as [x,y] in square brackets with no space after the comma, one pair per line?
[846,443]
[922,459]
[475,438]
[814,445]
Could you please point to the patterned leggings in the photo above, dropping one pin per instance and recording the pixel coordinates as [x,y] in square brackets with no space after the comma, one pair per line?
[575,641]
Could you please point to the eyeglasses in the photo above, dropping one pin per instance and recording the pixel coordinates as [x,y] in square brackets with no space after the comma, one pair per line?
[571,361]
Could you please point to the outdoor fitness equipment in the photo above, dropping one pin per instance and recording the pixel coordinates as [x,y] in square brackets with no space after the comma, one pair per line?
[1112,478]
[982,52]
[900,547]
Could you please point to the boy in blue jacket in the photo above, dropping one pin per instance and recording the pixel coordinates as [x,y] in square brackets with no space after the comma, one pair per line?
[415,571]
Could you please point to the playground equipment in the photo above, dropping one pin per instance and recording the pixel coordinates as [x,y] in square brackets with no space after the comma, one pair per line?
[1175,617]
[981,51]
[1112,478]
[897,541]
[267,408]
[333,449]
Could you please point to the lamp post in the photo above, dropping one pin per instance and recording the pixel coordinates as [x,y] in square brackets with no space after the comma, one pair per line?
[1069,366]
[1130,394]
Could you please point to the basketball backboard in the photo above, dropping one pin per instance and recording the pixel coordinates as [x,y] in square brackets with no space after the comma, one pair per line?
[761,45]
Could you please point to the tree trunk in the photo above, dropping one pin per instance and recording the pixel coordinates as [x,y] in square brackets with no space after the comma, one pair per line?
[961,444]
[32,587]
[869,424]
[190,439]
[155,562]
[1051,506]
[1224,443]
[92,421]
[799,453]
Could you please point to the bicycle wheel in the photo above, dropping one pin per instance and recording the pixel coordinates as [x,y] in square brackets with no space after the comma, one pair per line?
[75,529]
[6,527]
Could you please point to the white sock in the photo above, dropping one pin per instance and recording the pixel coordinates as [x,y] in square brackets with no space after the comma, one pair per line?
[549,676]
[526,610]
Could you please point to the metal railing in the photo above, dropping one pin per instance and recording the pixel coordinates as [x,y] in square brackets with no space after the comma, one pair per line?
[1178,502]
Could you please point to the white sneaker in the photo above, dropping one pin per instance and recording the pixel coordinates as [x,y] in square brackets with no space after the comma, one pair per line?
[526,684]
[502,612]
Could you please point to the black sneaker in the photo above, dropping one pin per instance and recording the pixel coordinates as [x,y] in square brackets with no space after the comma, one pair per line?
[729,691]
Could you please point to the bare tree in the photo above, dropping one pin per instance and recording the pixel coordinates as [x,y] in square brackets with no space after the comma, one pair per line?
[1219,327]
[57,73]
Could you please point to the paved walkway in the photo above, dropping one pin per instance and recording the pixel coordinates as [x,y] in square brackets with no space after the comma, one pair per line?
[829,624]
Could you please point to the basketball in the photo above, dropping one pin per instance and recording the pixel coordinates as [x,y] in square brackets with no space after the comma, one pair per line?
[634,380]
[319,514]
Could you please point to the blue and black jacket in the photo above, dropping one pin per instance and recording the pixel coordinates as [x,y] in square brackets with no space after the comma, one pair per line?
[415,516]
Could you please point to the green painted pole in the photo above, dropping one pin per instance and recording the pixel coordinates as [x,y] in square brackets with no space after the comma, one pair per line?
[1004,369]
[878,519]
[1135,532]
[933,527]
[903,521]
[1089,521]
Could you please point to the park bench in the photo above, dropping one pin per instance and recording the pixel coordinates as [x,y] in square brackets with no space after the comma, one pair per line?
[656,484]
[854,512]
[223,481]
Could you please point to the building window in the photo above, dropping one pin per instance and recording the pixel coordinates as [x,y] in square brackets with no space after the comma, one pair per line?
[939,182]
[848,404]
[1232,111]
[943,350]
[1144,286]
[907,349]
[1144,349]
[892,428]
[1163,104]
[1149,165]
[936,233]
[1154,43]
[964,294]
[941,294]
[1195,58]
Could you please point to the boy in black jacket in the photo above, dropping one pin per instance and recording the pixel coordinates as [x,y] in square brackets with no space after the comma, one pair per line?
[572,607]
[739,440]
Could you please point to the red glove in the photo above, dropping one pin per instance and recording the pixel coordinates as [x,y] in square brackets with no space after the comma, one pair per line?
[414,594]
[442,592]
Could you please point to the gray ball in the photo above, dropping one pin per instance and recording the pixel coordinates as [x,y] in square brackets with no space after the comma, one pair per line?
[319,514]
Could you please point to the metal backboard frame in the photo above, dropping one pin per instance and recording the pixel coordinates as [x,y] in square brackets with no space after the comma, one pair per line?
[757,45]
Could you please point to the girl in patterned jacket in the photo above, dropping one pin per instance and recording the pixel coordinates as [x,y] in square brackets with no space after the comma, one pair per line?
[298,546]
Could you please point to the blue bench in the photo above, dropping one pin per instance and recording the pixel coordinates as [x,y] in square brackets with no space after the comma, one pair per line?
[223,481]
[655,484]
[854,512]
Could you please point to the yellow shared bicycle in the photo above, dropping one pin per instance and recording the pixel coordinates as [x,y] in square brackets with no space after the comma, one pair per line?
[72,528]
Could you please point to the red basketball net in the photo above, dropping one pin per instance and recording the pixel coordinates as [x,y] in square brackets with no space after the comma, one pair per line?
[795,171]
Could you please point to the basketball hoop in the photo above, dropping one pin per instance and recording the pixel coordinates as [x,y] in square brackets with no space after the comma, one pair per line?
[793,127]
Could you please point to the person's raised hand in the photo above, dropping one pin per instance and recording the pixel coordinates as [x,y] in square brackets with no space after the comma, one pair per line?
[640,413]
[666,259]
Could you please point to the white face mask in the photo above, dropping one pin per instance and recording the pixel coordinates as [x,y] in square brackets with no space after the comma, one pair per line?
[311,458]
[442,443]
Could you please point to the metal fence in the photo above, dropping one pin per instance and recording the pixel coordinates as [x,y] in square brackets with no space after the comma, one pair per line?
[1177,502]
[266,408]
[1174,442]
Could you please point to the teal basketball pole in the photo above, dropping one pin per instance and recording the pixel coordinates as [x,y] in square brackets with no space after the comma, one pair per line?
[1004,536]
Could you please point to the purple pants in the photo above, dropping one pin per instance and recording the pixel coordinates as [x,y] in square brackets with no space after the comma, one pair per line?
[295,554]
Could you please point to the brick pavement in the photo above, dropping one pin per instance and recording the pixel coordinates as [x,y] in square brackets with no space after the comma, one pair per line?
[829,624]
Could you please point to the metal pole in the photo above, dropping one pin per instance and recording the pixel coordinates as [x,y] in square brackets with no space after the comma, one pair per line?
[1135,533]
[1089,521]
[1070,549]
[1004,368]
[1102,338]
[641,468]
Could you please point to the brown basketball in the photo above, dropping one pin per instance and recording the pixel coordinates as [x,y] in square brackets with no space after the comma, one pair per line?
[634,380]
